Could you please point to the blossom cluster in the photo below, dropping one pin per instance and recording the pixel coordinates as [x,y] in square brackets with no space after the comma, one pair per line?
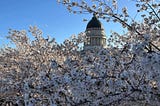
[41,72]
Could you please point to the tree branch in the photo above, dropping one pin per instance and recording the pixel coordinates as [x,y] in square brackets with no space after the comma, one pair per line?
[153,11]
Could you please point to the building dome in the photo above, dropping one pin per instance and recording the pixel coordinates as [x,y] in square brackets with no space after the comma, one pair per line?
[94,23]
[96,37]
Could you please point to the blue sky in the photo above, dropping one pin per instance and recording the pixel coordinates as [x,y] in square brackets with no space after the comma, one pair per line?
[52,18]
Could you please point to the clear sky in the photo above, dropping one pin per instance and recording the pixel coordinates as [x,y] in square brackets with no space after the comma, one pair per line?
[52,18]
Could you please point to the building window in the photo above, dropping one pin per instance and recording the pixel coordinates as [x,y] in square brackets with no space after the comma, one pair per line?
[95,41]
[91,41]
[98,41]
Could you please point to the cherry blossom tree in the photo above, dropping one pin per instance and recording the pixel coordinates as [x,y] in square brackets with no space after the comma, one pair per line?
[137,47]
[42,72]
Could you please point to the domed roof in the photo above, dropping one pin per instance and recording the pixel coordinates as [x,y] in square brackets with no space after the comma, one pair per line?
[94,23]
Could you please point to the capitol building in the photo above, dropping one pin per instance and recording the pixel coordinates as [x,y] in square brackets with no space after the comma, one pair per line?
[96,37]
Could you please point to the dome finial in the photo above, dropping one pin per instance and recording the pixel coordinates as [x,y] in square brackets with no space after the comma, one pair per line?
[94,14]
[94,22]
